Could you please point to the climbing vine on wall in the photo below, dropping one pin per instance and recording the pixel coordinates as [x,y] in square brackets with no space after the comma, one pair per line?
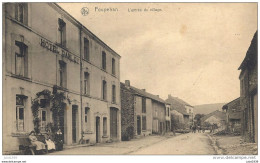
[57,106]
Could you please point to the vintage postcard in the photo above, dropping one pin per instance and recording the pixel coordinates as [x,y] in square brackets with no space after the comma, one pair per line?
[130,79]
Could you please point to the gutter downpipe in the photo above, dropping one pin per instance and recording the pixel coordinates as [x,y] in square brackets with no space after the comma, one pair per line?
[80,51]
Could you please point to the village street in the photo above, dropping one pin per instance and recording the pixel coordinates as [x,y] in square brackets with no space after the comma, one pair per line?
[184,144]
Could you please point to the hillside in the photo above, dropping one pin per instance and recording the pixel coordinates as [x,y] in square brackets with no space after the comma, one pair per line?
[207,108]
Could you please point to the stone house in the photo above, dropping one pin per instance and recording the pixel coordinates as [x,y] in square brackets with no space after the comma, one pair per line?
[142,113]
[233,115]
[46,50]
[248,92]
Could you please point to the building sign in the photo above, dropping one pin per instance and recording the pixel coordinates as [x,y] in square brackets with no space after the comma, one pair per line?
[58,50]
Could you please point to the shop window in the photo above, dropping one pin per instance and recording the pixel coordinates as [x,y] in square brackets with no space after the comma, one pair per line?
[86,49]
[21,12]
[113,93]
[63,74]
[21,61]
[113,66]
[104,126]
[20,109]
[62,32]
[86,83]
[103,60]
[104,90]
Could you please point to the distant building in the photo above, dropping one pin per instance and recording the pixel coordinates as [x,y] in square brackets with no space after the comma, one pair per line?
[217,117]
[234,115]
[142,113]
[182,107]
[248,92]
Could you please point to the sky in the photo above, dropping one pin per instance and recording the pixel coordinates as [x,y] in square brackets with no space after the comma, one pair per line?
[189,50]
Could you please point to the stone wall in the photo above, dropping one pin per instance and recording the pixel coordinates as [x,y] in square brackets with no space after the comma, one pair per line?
[127,113]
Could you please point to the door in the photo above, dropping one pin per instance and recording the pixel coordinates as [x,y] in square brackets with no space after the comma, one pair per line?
[74,123]
[255,113]
[113,123]
[97,129]
[138,125]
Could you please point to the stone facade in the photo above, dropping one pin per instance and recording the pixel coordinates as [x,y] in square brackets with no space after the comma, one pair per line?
[248,92]
[43,53]
[128,128]
[142,113]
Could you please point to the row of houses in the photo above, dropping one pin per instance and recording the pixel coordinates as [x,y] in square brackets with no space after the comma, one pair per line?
[144,114]
[59,75]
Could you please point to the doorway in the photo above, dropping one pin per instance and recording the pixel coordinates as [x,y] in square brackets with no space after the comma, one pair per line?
[74,123]
[138,125]
[113,123]
[97,129]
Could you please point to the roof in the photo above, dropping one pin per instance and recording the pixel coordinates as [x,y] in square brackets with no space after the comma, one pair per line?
[233,109]
[250,59]
[145,94]
[178,104]
[218,114]
[233,105]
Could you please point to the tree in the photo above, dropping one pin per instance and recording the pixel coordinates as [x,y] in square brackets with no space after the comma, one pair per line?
[57,107]
[197,119]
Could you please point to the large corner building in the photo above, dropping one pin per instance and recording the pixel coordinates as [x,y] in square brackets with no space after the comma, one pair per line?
[44,48]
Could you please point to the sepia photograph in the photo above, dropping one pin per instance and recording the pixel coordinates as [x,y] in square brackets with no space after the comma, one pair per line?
[127,78]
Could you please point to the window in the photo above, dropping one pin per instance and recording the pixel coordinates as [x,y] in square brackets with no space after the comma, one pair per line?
[113,93]
[143,105]
[19,113]
[62,32]
[86,118]
[104,90]
[63,74]
[21,61]
[21,12]
[168,112]
[86,49]
[86,83]
[103,60]
[143,122]
[113,66]
[104,126]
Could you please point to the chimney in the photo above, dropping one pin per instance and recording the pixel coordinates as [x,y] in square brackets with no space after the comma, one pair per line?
[127,83]
[143,90]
